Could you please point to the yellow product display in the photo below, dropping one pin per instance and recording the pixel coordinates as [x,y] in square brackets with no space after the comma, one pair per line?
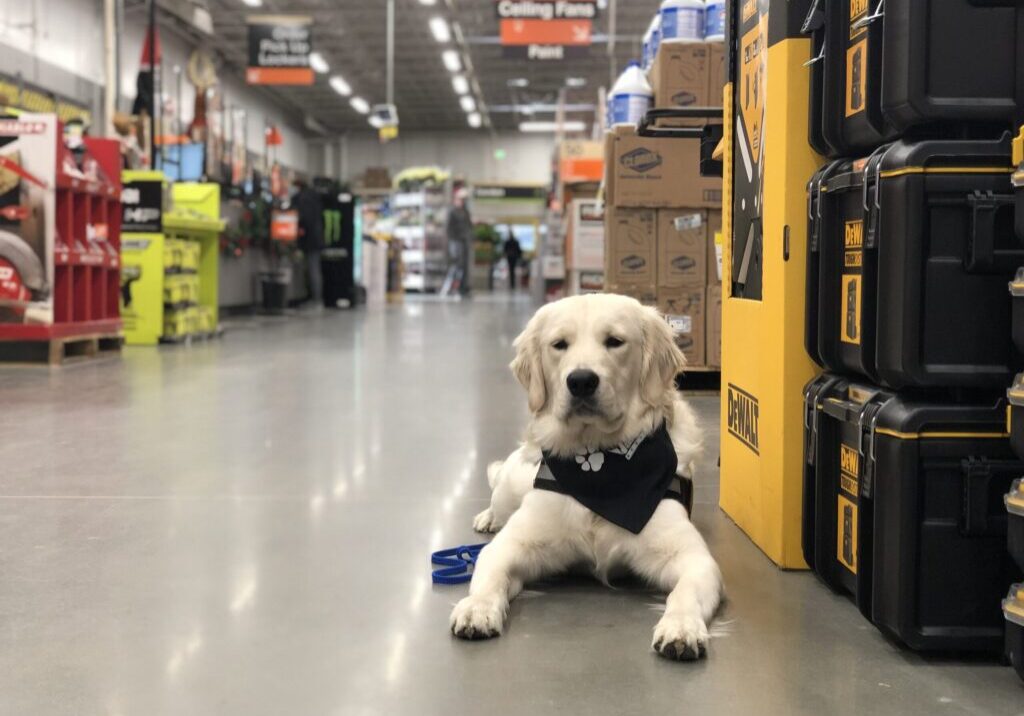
[181,323]
[767,162]
[174,254]
[181,289]
[207,322]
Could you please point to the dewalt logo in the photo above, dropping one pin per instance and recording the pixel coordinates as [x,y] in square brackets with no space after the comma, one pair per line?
[743,417]
[849,469]
[857,8]
[853,235]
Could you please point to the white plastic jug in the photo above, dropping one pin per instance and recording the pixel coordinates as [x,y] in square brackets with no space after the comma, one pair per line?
[631,96]
[682,21]
[650,44]
[714,21]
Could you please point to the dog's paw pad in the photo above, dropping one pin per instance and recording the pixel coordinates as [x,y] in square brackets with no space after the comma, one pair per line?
[477,618]
[681,639]
[485,522]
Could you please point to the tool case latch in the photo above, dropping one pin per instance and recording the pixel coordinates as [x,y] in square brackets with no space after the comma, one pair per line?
[982,516]
[982,254]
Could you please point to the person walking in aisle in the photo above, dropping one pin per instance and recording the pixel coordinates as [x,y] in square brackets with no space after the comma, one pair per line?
[460,239]
[310,208]
[513,253]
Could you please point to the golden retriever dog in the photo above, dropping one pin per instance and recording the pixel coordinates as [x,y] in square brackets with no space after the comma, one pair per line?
[599,373]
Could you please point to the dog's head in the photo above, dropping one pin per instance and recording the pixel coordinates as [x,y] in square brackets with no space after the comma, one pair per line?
[596,361]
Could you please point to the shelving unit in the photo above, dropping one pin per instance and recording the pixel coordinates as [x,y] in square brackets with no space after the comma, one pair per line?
[77,222]
[420,225]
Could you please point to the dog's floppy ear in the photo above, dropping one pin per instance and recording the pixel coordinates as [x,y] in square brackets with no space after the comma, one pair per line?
[662,359]
[526,366]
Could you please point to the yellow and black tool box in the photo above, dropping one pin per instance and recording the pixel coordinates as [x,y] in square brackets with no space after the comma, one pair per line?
[1013,613]
[909,247]
[1017,299]
[1015,415]
[906,511]
[849,71]
[1014,500]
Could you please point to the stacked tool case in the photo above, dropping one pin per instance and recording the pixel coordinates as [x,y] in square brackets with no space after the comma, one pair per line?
[911,246]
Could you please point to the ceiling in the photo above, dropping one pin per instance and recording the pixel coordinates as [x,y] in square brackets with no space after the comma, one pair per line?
[351,36]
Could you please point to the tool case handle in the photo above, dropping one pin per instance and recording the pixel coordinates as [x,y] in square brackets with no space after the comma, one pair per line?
[985,484]
[709,134]
[982,255]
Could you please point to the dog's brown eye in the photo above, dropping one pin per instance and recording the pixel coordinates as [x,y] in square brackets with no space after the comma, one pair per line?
[613,342]
[560,345]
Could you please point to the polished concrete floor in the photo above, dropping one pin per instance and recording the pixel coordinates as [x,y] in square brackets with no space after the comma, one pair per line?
[243,527]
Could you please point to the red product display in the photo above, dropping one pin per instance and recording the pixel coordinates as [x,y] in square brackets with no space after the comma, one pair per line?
[84,241]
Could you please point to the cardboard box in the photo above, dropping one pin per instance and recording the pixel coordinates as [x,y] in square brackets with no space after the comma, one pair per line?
[716,73]
[684,310]
[679,78]
[660,173]
[630,257]
[647,295]
[682,247]
[715,246]
[580,161]
[713,327]
[584,246]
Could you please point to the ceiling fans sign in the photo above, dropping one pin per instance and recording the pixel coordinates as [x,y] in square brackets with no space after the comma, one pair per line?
[279,48]
[546,29]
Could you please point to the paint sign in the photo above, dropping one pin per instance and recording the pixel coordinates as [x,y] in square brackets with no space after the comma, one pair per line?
[279,49]
[546,29]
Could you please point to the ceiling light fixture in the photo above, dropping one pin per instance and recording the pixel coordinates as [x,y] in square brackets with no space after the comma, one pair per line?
[318,63]
[339,85]
[468,103]
[570,126]
[362,106]
[430,3]
[460,84]
[575,81]
[253,3]
[518,82]
[439,29]
[474,119]
[451,60]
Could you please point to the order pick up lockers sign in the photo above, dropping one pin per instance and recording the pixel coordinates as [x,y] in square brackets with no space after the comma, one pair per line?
[279,47]
[546,29]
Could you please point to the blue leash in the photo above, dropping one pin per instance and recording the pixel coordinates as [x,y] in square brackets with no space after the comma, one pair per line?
[455,563]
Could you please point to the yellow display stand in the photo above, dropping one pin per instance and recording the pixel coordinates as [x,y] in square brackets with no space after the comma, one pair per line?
[764,364]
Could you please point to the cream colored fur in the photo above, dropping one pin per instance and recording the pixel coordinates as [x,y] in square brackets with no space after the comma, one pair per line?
[542,533]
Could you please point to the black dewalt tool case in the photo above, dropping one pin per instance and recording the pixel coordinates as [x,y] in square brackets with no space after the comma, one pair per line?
[1014,501]
[1013,612]
[914,243]
[951,61]
[908,514]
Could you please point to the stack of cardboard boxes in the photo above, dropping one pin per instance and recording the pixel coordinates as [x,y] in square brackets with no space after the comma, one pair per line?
[663,221]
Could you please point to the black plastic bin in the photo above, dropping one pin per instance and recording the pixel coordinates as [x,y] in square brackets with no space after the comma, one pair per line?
[1017,312]
[1014,501]
[1013,613]
[907,514]
[913,244]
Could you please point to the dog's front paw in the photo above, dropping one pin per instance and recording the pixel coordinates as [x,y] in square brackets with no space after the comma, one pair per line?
[681,639]
[477,618]
[486,522]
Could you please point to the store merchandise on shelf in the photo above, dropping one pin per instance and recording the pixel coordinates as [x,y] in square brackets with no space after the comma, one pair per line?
[59,236]
[420,225]
[169,282]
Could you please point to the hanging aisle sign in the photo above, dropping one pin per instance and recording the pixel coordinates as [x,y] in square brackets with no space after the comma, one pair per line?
[546,29]
[279,48]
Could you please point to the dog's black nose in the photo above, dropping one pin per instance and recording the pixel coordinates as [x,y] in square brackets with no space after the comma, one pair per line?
[582,383]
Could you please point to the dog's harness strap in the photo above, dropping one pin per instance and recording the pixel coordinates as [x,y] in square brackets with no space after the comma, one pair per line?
[681,488]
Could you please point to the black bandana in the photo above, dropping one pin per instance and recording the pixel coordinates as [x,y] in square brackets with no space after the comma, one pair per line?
[623,484]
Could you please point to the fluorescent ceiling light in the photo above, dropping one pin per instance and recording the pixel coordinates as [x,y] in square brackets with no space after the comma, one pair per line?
[439,29]
[318,63]
[428,2]
[474,119]
[451,60]
[468,103]
[253,3]
[339,85]
[571,126]
[460,84]
[575,81]
[362,106]
[518,82]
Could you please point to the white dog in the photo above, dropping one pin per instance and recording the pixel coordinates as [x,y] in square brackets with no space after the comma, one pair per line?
[599,372]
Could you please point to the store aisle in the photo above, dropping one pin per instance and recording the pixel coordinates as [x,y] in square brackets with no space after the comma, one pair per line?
[243,527]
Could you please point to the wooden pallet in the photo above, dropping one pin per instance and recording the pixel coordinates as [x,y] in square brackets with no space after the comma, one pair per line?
[699,379]
[61,351]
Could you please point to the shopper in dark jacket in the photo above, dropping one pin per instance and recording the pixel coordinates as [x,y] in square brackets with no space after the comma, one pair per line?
[310,208]
[513,253]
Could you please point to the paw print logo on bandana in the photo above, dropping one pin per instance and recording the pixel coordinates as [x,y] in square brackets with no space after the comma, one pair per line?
[590,461]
